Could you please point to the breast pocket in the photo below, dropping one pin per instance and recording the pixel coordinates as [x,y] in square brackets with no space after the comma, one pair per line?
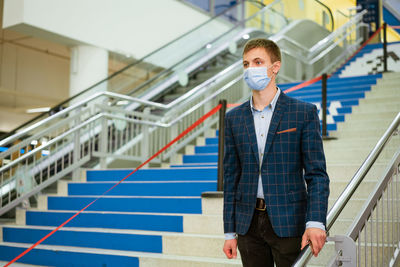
[288,140]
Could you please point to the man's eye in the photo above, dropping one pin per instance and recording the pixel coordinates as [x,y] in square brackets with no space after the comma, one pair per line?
[258,62]
[245,64]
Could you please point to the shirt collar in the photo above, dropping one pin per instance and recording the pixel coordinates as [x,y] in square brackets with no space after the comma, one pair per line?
[272,104]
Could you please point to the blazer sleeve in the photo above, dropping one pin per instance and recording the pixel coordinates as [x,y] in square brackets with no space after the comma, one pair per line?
[231,178]
[315,173]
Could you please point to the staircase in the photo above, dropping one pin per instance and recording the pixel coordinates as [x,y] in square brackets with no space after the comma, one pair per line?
[157,216]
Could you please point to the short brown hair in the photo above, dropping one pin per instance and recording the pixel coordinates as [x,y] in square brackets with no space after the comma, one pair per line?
[270,46]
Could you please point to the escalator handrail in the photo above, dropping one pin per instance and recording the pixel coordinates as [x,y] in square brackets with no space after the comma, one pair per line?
[330,13]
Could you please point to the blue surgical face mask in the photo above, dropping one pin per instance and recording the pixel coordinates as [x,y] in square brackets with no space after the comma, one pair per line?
[256,78]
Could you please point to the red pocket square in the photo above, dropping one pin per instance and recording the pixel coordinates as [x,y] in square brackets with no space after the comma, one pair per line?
[287,131]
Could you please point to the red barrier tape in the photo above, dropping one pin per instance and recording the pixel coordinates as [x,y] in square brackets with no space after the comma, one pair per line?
[191,127]
[232,105]
[394,27]
[303,84]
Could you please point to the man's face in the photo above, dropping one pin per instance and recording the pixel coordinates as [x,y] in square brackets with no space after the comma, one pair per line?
[258,57]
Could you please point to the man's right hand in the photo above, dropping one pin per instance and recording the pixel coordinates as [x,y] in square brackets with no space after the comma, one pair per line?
[230,248]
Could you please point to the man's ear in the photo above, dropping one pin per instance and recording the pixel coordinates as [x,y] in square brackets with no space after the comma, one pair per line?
[276,67]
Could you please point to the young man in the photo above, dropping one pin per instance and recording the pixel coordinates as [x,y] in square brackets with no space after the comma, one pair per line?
[275,182]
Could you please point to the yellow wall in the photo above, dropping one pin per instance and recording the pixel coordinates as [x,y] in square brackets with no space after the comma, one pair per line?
[312,10]
[338,6]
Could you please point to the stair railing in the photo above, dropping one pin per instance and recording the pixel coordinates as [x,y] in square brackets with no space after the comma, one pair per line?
[365,227]
[103,132]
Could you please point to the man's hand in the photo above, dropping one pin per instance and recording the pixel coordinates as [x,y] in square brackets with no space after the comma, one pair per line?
[316,238]
[230,248]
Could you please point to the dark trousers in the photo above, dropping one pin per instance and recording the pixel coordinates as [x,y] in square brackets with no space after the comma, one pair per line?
[260,246]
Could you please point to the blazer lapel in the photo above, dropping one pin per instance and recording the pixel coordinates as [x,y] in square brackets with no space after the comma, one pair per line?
[249,122]
[276,118]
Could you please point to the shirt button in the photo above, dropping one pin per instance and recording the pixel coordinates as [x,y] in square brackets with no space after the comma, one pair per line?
[262,117]
[262,135]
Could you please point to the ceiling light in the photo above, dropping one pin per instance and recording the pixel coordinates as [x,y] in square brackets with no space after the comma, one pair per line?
[122,102]
[38,110]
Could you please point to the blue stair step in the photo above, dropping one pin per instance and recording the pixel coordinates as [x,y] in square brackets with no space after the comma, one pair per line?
[128,204]
[206,149]
[330,127]
[178,174]
[57,257]
[200,158]
[336,97]
[338,118]
[343,90]
[212,141]
[148,222]
[334,81]
[186,165]
[102,240]
[344,110]
[192,188]
[333,96]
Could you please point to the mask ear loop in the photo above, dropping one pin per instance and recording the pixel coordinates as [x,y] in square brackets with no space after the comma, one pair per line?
[273,72]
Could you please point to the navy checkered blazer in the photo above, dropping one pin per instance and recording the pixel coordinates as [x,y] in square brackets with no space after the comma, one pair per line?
[293,171]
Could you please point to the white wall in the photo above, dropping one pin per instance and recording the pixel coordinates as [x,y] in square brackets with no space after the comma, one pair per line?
[135,27]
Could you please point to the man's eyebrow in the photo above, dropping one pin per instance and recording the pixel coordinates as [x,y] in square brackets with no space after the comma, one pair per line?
[257,58]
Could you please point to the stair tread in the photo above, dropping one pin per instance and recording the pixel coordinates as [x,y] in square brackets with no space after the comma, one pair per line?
[122,253]
[116,231]
[116,212]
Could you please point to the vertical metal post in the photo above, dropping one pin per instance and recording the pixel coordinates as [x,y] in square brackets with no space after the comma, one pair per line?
[323,105]
[145,144]
[103,143]
[221,134]
[385,69]
[175,157]
[243,13]
[77,148]
[212,7]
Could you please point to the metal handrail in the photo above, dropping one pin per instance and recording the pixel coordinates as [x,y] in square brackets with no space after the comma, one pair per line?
[348,192]
[82,103]
[150,123]
[363,215]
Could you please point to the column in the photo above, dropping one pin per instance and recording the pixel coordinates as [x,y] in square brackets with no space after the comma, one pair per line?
[89,65]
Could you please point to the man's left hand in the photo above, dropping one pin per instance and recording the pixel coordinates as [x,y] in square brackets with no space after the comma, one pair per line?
[316,238]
